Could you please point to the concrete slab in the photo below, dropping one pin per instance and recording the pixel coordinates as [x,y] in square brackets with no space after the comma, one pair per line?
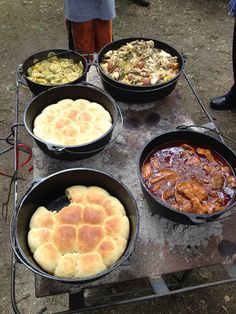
[162,246]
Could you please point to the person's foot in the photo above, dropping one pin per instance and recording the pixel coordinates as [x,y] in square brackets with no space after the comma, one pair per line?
[226,101]
[144,3]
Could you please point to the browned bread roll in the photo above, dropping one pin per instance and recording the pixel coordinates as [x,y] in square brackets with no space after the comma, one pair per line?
[47,256]
[83,238]
[71,123]
[42,218]
[37,237]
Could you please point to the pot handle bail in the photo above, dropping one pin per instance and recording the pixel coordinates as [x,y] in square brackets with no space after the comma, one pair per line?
[55,149]
[95,60]
[186,127]
[31,184]
[185,57]
[198,220]
[19,75]
[120,117]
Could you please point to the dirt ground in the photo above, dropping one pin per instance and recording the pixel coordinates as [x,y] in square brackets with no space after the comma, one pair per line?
[202,30]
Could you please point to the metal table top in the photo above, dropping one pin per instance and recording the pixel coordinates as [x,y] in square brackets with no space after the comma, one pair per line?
[162,246]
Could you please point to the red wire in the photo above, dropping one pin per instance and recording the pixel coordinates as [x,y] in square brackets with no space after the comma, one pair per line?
[5,175]
[28,148]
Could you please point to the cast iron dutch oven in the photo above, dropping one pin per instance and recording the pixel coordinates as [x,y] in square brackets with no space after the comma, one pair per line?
[50,192]
[138,94]
[192,138]
[55,94]
[60,53]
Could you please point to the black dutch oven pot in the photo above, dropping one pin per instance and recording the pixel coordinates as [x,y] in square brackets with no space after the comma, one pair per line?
[42,55]
[138,94]
[55,94]
[192,138]
[50,192]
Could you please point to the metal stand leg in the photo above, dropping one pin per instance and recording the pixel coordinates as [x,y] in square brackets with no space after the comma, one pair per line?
[182,279]
[159,285]
[230,269]
[76,300]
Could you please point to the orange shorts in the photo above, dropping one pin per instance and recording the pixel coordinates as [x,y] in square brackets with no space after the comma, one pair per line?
[91,36]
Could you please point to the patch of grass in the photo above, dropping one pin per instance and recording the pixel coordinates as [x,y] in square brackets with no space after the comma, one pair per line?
[119,27]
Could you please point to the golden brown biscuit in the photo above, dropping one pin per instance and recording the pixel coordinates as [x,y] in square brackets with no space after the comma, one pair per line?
[86,116]
[42,218]
[47,256]
[111,249]
[67,266]
[71,214]
[93,214]
[37,237]
[65,103]
[113,206]
[117,226]
[102,126]
[74,193]
[89,264]
[81,194]
[95,195]
[81,104]
[99,113]
[72,114]
[65,238]
[89,237]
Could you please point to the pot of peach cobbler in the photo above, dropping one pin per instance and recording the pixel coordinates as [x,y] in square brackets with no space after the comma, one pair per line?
[188,176]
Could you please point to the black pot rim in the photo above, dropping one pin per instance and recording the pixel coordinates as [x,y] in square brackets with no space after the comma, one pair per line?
[20,254]
[135,87]
[83,146]
[48,51]
[190,216]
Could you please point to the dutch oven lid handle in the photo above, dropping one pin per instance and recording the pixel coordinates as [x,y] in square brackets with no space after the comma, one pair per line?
[59,150]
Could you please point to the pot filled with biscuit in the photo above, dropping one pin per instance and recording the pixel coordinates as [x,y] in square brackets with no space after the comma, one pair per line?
[76,225]
[73,121]
[188,176]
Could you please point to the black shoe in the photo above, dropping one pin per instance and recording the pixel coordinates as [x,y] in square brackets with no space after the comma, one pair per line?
[144,3]
[226,101]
